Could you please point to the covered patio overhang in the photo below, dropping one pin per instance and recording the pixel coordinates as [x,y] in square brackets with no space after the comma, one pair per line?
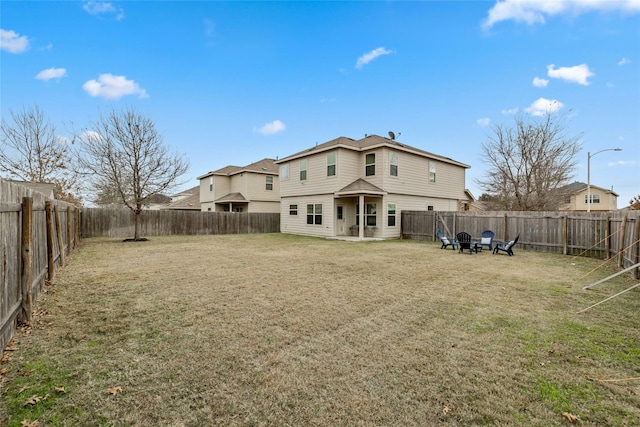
[360,188]
[230,199]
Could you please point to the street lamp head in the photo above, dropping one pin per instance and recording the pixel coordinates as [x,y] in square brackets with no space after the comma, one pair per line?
[617,149]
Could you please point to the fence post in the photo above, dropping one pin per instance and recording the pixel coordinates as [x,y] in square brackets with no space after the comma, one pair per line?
[56,209]
[50,247]
[69,228]
[607,238]
[76,234]
[636,272]
[27,259]
[506,233]
[623,232]
[565,234]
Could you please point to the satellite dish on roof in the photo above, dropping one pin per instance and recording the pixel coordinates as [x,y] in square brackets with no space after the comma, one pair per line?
[392,135]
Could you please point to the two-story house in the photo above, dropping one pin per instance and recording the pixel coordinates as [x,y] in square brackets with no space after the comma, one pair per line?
[576,196]
[252,188]
[359,187]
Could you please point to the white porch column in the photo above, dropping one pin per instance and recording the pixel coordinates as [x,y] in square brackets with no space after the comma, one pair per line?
[361,216]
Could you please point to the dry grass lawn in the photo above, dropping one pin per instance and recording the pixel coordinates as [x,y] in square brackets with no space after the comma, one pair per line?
[280,330]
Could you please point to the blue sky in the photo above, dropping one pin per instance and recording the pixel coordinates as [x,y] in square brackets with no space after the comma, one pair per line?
[235,82]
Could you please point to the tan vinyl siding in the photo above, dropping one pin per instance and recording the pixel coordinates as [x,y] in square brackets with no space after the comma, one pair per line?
[264,206]
[256,188]
[608,202]
[297,224]
[317,182]
[221,186]
[413,177]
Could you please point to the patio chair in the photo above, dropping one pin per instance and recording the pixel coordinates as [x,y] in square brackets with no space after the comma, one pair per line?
[487,239]
[506,247]
[446,241]
[464,242]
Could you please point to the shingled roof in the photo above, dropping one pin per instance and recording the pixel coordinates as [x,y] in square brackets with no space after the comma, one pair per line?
[576,187]
[367,143]
[266,166]
[360,186]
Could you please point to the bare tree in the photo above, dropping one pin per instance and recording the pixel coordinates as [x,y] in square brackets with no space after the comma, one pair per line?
[526,165]
[123,152]
[634,203]
[31,151]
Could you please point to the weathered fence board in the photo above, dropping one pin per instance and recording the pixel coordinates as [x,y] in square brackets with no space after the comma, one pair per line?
[24,257]
[595,234]
[120,223]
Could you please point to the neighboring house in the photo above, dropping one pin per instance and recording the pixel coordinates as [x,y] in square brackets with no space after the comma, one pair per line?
[187,200]
[575,198]
[156,202]
[472,204]
[46,188]
[359,187]
[252,188]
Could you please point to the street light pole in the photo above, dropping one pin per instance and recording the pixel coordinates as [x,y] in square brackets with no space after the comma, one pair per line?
[589,156]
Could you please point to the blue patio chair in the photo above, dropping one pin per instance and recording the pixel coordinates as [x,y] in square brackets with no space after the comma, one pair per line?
[506,247]
[464,242]
[446,241]
[487,239]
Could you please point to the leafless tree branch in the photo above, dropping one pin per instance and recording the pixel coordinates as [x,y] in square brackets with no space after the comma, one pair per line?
[529,163]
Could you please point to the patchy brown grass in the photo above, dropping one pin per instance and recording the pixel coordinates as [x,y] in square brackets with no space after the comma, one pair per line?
[278,330]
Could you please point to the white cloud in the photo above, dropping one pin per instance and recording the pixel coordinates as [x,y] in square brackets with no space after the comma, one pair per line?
[113,87]
[275,126]
[484,121]
[535,11]
[13,42]
[51,73]
[90,136]
[543,106]
[624,61]
[368,57]
[576,74]
[99,7]
[538,82]
[511,111]
[622,163]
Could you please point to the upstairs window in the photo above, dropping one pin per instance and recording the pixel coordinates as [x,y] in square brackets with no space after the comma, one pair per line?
[331,164]
[314,214]
[284,171]
[303,170]
[432,171]
[210,183]
[269,183]
[393,164]
[595,198]
[370,164]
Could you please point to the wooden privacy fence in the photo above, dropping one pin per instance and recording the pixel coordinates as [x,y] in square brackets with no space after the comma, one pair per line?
[599,235]
[37,234]
[120,223]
